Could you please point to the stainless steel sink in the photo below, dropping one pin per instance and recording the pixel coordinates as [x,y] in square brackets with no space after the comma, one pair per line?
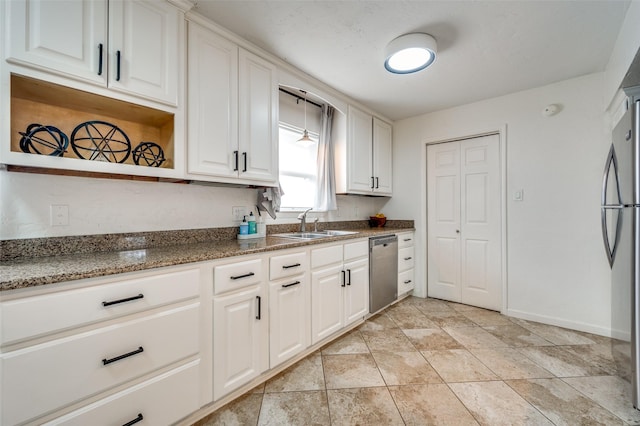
[337,233]
[313,235]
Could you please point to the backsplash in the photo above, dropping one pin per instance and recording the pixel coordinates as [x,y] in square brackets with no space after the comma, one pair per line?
[104,206]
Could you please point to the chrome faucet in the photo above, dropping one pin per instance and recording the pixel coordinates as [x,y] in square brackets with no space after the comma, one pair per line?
[303,218]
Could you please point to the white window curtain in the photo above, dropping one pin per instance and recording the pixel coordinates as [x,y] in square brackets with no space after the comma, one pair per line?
[326,193]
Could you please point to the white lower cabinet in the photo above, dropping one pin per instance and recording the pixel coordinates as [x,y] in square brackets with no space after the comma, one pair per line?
[289,307]
[339,287]
[48,373]
[289,318]
[406,254]
[241,326]
[154,402]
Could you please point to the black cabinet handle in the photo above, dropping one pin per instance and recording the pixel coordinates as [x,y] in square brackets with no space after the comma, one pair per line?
[344,280]
[244,158]
[100,59]
[290,285]
[295,265]
[407,281]
[235,156]
[259,307]
[134,421]
[377,183]
[128,299]
[123,356]
[349,274]
[408,258]
[372,182]
[407,239]
[118,65]
[237,277]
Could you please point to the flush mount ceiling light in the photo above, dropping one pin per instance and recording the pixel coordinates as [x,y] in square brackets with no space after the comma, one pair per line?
[410,53]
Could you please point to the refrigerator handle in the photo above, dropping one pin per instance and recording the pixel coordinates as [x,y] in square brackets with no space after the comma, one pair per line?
[610,250]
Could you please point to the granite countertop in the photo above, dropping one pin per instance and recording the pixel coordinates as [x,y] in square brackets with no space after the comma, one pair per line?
[36,271]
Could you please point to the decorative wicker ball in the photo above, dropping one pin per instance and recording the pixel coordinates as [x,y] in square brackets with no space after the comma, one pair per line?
[377,222]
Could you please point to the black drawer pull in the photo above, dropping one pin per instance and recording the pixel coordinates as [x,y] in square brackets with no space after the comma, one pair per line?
[407,239]
[407,281]
[295,265]
[259,316]
[127,355]
[100,59]
[237,277]
[290,285]
[128,299]
[118,65]
[408,258]
[134,421]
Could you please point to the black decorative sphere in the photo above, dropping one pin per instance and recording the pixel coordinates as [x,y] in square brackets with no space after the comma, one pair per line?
[148,154]
[44,140]
[100,141]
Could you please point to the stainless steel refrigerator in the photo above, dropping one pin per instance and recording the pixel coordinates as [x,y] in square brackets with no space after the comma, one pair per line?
[621,233]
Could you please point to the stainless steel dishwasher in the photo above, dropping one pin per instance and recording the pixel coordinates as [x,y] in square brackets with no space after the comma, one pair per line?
[383,272]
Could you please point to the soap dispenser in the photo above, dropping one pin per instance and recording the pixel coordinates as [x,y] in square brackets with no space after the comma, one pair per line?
[244,226]
[252,223]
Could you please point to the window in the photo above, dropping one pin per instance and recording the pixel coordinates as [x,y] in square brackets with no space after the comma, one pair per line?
[298,169]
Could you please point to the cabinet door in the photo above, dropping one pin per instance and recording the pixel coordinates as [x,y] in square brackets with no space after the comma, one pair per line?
[356,297]
[59,36]
[382,157]
[327,302]
[212,104]
[143,48]
[359,162]
[240,339]
[258,128]
[289,307]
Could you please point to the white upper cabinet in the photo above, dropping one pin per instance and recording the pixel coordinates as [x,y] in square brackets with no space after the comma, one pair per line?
[368,152]
[143,48]
[382,157]
[64,37]
[360,158]
[232,112]
[129,46]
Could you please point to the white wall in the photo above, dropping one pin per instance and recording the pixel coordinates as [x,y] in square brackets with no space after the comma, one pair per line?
[557,271]
[627,44]
[102,206]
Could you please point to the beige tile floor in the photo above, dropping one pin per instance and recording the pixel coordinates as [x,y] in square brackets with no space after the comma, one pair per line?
[431,362]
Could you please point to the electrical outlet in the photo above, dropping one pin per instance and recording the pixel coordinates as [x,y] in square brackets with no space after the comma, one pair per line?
[59,215]
[238,212]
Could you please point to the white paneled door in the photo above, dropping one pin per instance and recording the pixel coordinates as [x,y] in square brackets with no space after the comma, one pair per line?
[464,222]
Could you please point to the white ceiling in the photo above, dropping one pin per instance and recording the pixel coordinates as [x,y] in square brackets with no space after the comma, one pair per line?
[485,48]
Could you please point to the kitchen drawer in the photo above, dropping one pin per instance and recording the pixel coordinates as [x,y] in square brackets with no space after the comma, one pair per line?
[164,399]
[287,265]
[405,282]
[356,250]
[405,239]
[237,275]
[405,258]
[326,256]
[29,317]
[45,377]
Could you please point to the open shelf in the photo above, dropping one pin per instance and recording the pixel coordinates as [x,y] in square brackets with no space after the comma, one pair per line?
[47,104]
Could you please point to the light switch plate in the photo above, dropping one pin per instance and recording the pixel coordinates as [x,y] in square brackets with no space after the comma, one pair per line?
[59,215]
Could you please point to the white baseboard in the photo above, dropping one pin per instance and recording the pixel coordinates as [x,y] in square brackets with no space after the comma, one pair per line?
[573,325]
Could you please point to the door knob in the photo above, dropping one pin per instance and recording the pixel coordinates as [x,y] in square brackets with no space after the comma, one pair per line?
[457,231]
